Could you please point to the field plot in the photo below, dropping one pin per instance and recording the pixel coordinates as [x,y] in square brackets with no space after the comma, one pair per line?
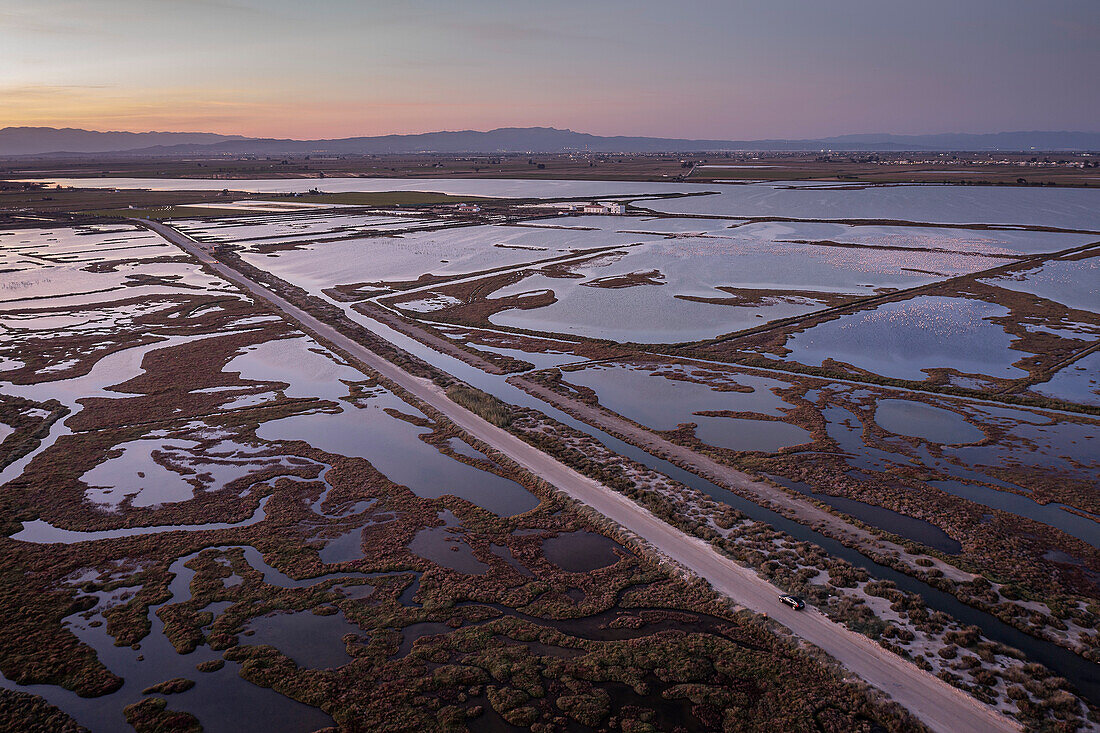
[984,205]
[639,224]
[213,520]
[1066,208]
[692,288]
[262,206]
[1072,280]
[299,227]
[1076,382]
[909,338]
[398,261]
[73,296]
[25,248]
[1028,319]
[675,399]
[1003,243]
[999,243]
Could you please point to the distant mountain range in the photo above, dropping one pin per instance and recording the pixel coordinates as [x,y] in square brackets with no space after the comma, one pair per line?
[49,141]
[38,140]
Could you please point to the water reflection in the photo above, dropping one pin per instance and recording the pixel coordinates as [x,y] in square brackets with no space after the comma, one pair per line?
[905,339]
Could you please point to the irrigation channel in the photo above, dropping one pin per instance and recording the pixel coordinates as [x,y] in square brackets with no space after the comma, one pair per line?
[1082,674]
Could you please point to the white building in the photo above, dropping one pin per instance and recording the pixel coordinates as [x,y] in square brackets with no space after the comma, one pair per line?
[609,207]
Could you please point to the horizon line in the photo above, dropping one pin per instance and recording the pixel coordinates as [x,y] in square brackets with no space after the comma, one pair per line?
[542,127]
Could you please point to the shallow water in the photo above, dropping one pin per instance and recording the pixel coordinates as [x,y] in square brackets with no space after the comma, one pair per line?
[618,387]
[308,639]
[1077,382]
[136,474]
[506,555]
[365,429]
[36,248]
[456,251]
[669,402]
[581,551]
[1073,283]
[42,532]
[1006,244]
[639,224]
[1029,439]
[414,632]
[742,434]
[1062,207]
[52,272]
[1053,514]
[911,528]
[846,428]
[288,225]
[346,547]
[934,424]
[903,339]
[539,359]
[307,368]
[638,317]
[693,267]
[111,370]
[394,448]
[445,546]
[1069,208]
[1070,448]
[217,698]
[461,447]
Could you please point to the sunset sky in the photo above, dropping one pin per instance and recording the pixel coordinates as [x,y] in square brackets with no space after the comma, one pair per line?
[692,68]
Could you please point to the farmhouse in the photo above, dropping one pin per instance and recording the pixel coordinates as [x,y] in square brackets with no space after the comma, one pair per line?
[614,208]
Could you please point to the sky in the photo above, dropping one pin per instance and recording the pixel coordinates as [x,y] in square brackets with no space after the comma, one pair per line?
[720,69]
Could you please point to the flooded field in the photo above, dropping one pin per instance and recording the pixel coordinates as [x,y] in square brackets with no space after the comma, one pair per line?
[1076,382]
[908,339]
[208,511]
[42,269]
[1074,209]
[296,227]
[1068,208]
[381,261]
[887,449]
[1001,243]
[1073,281]
[639,224]
[673,399]
[691,288]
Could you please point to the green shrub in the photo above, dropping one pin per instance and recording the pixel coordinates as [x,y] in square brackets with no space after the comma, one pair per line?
[483,404]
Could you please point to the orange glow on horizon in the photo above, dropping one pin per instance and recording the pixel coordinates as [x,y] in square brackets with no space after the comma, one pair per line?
[230,112]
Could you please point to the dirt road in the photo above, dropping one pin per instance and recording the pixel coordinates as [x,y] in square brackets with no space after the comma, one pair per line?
[937,704]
